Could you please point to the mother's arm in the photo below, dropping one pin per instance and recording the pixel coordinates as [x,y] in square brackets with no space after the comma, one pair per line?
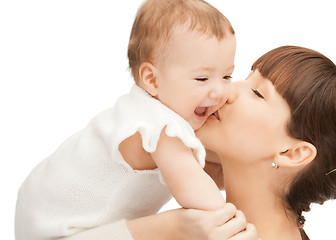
[182,224]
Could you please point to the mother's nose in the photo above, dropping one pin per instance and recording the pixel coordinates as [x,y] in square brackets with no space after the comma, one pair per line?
[233,93]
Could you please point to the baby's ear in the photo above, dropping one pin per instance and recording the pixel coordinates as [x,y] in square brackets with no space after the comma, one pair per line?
[148,78]
[300,154]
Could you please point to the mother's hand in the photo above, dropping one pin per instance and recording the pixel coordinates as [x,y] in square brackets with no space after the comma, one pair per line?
[190,224]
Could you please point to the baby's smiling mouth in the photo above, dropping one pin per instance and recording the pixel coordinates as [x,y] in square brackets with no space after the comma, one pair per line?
[201,111]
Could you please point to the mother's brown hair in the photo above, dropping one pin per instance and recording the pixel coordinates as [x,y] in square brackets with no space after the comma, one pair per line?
[307,81]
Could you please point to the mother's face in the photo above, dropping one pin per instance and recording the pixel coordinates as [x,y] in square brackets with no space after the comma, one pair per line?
[251,125]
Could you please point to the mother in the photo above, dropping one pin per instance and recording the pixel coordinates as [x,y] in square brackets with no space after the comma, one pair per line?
[276,140]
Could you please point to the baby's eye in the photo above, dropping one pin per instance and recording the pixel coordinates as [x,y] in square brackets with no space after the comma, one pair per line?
[256,92]
[227,77]
[201,79]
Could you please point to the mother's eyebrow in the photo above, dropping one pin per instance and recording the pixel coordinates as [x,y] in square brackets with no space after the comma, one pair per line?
[268,87]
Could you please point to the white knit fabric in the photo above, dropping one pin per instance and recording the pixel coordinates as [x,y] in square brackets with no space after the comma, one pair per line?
[112,231]
[86,183]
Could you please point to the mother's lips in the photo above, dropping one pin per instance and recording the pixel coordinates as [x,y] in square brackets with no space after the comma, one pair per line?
[216,115]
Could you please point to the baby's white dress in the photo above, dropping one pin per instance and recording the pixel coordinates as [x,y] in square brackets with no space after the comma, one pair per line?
[86,183]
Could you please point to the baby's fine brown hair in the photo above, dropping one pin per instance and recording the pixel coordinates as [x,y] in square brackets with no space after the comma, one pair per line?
[155,21]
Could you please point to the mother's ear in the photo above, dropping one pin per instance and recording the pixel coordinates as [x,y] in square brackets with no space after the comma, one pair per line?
[300,154]
[148,78]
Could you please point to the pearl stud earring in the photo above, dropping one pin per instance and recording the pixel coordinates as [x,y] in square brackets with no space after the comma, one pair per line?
[275,165]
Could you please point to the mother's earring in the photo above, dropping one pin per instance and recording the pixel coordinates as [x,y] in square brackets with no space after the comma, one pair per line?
[275,165]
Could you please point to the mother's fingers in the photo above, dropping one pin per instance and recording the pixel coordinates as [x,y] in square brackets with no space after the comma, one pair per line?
[232,227]
[250,233]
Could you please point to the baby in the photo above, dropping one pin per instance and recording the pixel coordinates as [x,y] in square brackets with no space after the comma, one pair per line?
[129,159]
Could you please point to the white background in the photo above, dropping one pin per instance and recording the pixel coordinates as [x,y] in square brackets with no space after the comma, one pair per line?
[62,62]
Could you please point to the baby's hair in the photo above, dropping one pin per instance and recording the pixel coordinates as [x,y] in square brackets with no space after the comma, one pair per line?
[307,81]
[155,21]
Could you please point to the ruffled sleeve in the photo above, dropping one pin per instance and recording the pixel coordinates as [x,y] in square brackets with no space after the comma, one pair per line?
[140,112]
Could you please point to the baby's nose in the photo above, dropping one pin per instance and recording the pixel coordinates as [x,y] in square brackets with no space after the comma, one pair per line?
[214,94]
[218,90]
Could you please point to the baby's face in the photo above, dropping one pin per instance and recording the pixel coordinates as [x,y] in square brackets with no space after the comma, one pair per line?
[194,79]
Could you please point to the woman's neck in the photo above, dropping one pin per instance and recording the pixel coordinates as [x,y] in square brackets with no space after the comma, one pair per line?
[250,191]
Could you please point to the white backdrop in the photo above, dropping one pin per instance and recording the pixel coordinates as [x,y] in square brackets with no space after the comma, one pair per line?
[62,62]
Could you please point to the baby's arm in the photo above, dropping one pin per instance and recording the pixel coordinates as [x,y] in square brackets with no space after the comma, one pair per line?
[187,181]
